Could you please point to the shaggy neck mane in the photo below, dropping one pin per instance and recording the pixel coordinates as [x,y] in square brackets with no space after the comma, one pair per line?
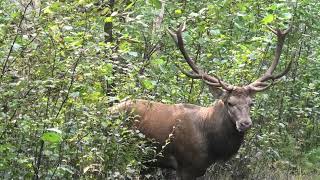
[223,139]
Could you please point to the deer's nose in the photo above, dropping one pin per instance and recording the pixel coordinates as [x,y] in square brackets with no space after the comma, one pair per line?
[246,124]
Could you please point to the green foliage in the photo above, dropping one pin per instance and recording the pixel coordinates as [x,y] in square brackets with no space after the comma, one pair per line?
[53,136]
[61,70]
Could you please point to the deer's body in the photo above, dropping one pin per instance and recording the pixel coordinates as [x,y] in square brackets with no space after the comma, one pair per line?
[201,135]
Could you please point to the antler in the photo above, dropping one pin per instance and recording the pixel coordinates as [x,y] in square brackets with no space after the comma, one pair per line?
[261,83]
[197,72]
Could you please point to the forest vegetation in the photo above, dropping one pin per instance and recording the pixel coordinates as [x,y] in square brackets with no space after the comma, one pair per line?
[64,63]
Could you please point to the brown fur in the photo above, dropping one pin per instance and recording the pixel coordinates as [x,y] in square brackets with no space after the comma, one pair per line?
[201,135]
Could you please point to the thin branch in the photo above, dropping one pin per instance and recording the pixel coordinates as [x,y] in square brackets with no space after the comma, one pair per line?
[14,41]
[38,162]
[70,85]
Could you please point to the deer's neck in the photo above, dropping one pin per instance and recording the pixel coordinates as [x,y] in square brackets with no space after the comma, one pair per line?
[223,139]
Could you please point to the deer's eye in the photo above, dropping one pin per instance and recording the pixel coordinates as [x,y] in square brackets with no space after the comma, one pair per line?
[230,104]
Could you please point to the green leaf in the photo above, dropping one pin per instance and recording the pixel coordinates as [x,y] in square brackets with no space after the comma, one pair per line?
[268,19]
[129,6]
[158,62]
[193,14]
[51,137]
[148,84]
[134,54]
[77,42]
[156,3]
[47,10]
[66,168]
[54,130]
[55,6]
[215,31]
[105,70]
[240,14]
[287,15]
[16,46]
[93,96]
[272,7]
[74,94]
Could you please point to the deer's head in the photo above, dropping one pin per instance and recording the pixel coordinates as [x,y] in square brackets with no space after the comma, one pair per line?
[237,99]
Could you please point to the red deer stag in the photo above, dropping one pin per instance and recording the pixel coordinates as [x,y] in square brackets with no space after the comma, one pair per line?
[201,135]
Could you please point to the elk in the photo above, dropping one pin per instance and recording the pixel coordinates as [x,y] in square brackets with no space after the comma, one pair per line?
[199,136]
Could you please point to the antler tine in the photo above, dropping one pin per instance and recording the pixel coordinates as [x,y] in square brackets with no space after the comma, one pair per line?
[260,88]
[284,72]
[224,85]
[256,85]
[204,77]
[183,50]
[198,73]
[189,74]
[281,37]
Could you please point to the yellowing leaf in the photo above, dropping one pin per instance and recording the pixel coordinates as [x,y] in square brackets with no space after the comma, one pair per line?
[178,11]
[268,19]
[108,19]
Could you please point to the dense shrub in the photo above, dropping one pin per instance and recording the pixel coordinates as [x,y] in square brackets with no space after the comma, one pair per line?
[64,63]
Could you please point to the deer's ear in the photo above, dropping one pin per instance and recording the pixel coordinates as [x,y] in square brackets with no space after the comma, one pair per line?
[216,92]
